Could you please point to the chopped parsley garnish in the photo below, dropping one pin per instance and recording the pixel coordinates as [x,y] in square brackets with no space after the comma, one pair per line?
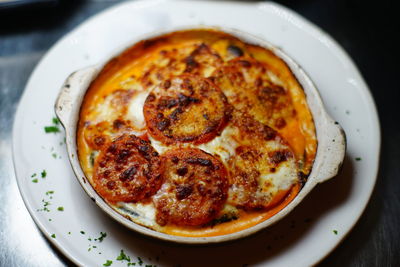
[335,232]
[140,261]
[358,159]
[54,155]
[107,263]
[53,235]
[33,175]
[60,208]
[82,232]
[35,180]
[54,128]
[122,256]
[69,233]
[43,174]
[51,129]
[49,192]
[101,237]
[92,155]
[56,121]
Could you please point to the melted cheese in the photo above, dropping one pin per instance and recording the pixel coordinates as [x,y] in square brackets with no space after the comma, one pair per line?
[123,74]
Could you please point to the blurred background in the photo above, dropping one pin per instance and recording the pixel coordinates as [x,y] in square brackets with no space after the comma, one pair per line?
[366,30]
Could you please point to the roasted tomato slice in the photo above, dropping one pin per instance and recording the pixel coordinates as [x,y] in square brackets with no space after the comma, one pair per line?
[197,59]
[251,86]
[128,170]
[263,169]
[195,188]
[186,108]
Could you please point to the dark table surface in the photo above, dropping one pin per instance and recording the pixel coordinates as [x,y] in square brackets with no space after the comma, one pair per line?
[367,31]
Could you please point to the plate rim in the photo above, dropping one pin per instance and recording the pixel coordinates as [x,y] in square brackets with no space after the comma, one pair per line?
[311,27]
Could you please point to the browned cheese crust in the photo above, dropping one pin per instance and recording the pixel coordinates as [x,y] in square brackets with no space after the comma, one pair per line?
[195,188]
[261,151]
[229,119]
[196,59]
[249,88]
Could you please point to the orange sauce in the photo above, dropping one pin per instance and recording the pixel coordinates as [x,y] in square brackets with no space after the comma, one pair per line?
[299,132]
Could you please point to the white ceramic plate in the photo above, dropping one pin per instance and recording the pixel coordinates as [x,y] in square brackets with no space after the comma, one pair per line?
[303,238]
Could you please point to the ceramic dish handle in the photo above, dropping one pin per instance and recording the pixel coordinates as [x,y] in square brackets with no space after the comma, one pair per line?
[334,149]
[72,92]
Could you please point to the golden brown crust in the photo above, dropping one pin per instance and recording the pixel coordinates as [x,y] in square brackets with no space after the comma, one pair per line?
[198,59]
[261,152]
[264,116]
[249,87]
[186,108]
[128,170]
[194,190]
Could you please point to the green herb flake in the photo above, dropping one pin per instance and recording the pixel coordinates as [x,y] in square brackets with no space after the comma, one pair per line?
[50,220]
[54,155]
[43,174]
[60,208]
[35,180]
[101,237]
[82,232]
[33,175]
[49,192]
[335,232]
[122,256]
[107,263]
[55,120]
[69,233]
[358,158]
[92,157]
[140,261]
[51,129]
[131,264]
[53,235]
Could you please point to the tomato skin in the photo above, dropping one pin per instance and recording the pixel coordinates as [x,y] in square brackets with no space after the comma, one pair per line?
[127,169]
[186,109]
[195,188]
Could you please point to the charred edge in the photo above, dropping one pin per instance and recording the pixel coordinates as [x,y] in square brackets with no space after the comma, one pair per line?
[199,161]
[223,219]
[302,178]
[277,157]
[183,191]
[235,51]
